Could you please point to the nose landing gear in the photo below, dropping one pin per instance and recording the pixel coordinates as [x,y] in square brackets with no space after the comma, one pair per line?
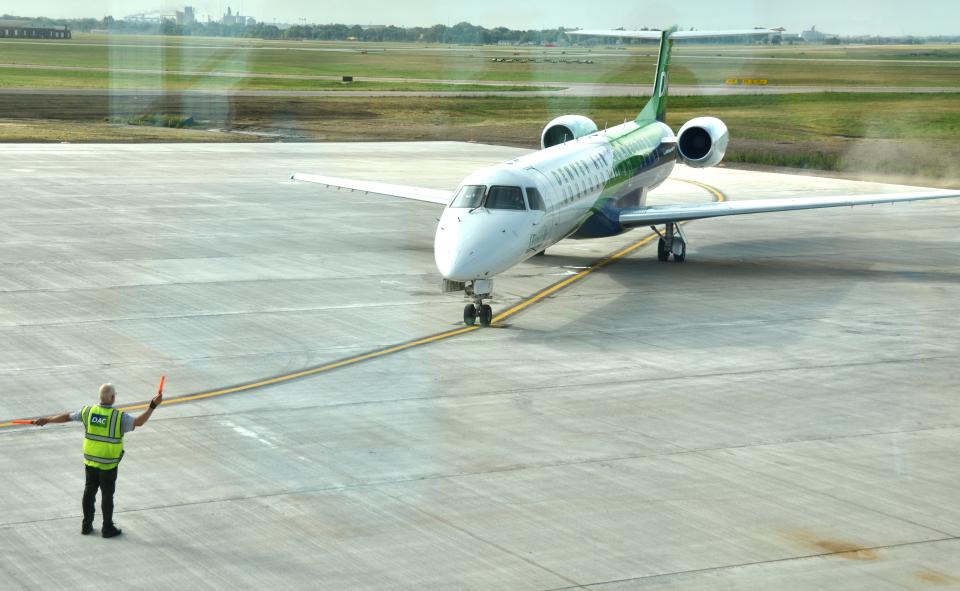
[478,290]
[474,312]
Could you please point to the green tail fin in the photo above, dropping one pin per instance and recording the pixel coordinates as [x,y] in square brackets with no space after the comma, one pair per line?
[656,107]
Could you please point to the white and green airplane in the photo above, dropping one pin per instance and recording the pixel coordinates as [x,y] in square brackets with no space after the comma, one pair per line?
[584,183]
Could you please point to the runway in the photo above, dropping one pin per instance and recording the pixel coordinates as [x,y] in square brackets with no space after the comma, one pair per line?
[552,89]
[778,411]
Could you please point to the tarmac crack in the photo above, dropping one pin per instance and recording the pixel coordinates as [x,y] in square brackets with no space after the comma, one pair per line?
[839,499]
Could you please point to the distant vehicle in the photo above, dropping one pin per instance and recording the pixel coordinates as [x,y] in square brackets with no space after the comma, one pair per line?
[584,183]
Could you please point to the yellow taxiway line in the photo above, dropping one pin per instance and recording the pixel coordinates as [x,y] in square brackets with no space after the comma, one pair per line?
[526,303]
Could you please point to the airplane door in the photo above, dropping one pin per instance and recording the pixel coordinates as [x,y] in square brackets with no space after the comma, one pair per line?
[545,216]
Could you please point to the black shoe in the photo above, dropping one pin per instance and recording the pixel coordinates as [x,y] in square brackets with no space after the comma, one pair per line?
[111,531]
[86,529]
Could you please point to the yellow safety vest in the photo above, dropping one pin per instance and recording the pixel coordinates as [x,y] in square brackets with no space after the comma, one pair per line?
[103,441]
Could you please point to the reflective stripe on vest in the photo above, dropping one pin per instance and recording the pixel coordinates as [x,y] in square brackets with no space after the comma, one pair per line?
[103,440]
[101,460]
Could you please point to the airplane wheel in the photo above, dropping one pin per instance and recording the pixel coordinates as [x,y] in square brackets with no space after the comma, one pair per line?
[679,258]
[469,314]
[486,315]
[663,255]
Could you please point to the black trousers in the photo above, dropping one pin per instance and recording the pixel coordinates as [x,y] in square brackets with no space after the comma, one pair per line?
[106,481]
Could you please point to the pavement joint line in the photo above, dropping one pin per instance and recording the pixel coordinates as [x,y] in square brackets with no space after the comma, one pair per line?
[441,336]
[714,569]
[434,477]
[277,311]
[465,531]
[534,389]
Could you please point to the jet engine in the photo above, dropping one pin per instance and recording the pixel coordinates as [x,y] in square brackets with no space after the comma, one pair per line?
[566,128]
[702,142]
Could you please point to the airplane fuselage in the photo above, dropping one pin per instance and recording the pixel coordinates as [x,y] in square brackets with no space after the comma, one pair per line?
[575,189]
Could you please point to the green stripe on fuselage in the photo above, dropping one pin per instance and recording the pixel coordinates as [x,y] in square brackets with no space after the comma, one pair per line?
[632,144]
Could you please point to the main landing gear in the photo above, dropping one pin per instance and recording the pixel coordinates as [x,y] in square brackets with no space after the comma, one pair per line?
[478,290]
[672,241]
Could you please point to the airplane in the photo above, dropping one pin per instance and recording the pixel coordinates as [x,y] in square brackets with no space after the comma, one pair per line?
[584,183]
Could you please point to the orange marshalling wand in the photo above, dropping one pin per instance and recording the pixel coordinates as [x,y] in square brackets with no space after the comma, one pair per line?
[162,378]
[22,422]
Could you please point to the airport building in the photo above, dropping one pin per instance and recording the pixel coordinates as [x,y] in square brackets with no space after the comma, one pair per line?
[19,30]
[813,36]
[187,16]
[237,19]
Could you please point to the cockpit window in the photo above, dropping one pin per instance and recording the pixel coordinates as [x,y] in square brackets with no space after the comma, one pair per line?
[505,198]
[536,201]
[469,196]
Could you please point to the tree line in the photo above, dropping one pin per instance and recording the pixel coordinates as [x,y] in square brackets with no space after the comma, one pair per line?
[459,34]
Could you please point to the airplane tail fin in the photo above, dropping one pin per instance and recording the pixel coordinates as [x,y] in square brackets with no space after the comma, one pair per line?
[656,107]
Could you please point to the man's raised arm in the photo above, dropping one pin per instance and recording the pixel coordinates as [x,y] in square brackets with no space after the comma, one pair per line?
[145,415]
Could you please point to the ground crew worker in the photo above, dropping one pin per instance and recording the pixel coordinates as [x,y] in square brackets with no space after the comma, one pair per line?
[105,427]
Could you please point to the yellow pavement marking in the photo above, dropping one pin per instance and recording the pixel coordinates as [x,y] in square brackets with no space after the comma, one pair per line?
[534,299]
[314,370]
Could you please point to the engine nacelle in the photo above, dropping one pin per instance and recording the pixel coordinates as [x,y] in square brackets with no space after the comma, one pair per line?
[702,142]
[566,128]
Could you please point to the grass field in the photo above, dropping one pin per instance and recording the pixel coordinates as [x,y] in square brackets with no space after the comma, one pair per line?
[911,136]
[904,66]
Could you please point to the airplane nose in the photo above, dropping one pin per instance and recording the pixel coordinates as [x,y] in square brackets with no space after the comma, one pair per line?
[468,247]
[456,259]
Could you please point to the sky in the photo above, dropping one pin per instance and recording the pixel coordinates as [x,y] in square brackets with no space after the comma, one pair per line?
[850,17]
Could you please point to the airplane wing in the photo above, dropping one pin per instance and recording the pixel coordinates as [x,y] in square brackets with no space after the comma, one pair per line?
[404,191]
[617,33]
[674,35]
[661,214]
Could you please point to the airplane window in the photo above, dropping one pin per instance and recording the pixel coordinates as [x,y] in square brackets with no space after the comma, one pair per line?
[536,201]
[505,198]
[469,196]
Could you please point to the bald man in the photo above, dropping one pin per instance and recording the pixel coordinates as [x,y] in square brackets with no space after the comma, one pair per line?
[104,428]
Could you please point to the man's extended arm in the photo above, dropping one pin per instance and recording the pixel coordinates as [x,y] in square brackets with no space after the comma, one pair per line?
[62,418]
[145,415]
